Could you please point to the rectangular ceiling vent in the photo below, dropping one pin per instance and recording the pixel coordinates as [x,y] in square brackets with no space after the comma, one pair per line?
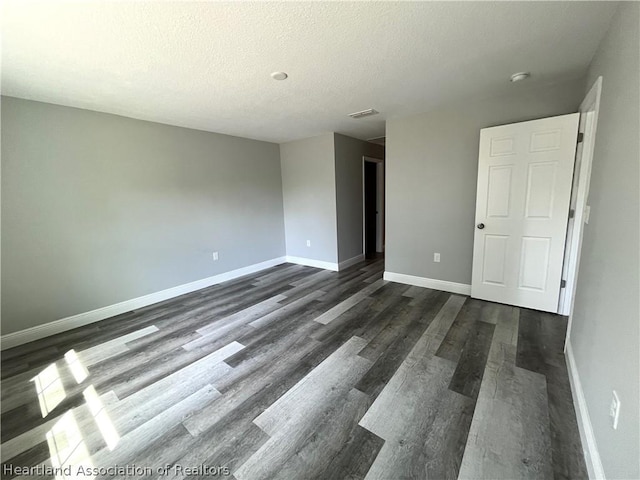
[364,113]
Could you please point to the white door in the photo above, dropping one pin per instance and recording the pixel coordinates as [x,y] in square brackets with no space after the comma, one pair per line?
[525,172]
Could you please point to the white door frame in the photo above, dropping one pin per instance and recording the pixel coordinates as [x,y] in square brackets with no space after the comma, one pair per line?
[379,204]
[589,109]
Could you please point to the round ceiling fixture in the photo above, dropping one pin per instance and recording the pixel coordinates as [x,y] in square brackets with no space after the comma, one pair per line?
[516,77]
[279,76]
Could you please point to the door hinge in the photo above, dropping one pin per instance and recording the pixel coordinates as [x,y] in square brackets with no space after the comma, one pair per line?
[580,137]
[572,213]
[563,283]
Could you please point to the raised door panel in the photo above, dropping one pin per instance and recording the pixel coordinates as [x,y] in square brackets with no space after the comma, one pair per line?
[541,190]
[499,191]
[494,259]
[534,263]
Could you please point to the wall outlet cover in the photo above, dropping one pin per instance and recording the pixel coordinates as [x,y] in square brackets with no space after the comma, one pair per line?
[215,256]
[436,257]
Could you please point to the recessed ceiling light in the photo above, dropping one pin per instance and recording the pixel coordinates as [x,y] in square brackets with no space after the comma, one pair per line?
[516,77]
[279,76]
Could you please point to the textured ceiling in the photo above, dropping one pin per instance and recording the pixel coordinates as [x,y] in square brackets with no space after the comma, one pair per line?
[207,65]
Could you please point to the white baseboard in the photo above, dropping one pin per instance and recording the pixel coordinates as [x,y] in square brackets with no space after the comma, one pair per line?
[309,262]
[350,262]
[445,286]
[68,323]
[589,444]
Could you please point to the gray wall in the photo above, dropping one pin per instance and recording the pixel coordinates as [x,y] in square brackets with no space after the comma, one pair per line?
[309,192]
[98,209]
[431,173]
[605,328]
[348,157]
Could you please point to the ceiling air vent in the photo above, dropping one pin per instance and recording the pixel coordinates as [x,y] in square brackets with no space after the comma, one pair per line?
[364,113]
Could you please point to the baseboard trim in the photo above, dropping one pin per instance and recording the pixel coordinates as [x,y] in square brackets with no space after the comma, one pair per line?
[58,326]
[352,261]
[445,286]
[309,262]
[588,438]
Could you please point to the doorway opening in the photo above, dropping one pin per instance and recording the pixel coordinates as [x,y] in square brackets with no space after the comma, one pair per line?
[372,207]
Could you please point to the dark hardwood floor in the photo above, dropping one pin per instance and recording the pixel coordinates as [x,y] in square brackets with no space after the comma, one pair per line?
[298,373]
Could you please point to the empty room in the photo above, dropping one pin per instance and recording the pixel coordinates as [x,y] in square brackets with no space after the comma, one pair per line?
[320,240]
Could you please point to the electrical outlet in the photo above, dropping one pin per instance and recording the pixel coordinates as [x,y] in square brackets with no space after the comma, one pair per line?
[614,410]
[436,257]
[215,256]
[308,243]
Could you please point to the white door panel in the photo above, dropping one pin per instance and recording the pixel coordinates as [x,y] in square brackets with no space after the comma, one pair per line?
[525,173]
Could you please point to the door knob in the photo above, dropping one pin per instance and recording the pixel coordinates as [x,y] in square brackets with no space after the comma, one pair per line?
[481,226]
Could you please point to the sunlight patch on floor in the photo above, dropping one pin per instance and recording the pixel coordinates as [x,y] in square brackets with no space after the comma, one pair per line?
[67,448]
[49,389]
[100,415]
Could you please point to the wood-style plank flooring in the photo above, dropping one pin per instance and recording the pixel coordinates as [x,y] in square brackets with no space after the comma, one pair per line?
[298,373]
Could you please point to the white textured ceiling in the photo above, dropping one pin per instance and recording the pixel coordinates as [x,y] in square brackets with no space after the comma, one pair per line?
[207,65]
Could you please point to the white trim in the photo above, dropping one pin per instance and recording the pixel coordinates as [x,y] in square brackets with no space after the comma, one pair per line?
[309,262]
[445,286]
[589,109]
[372,159]
[351,261]
[380,208]
[380,217]
[364,231]
[589,444]
[85,318]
